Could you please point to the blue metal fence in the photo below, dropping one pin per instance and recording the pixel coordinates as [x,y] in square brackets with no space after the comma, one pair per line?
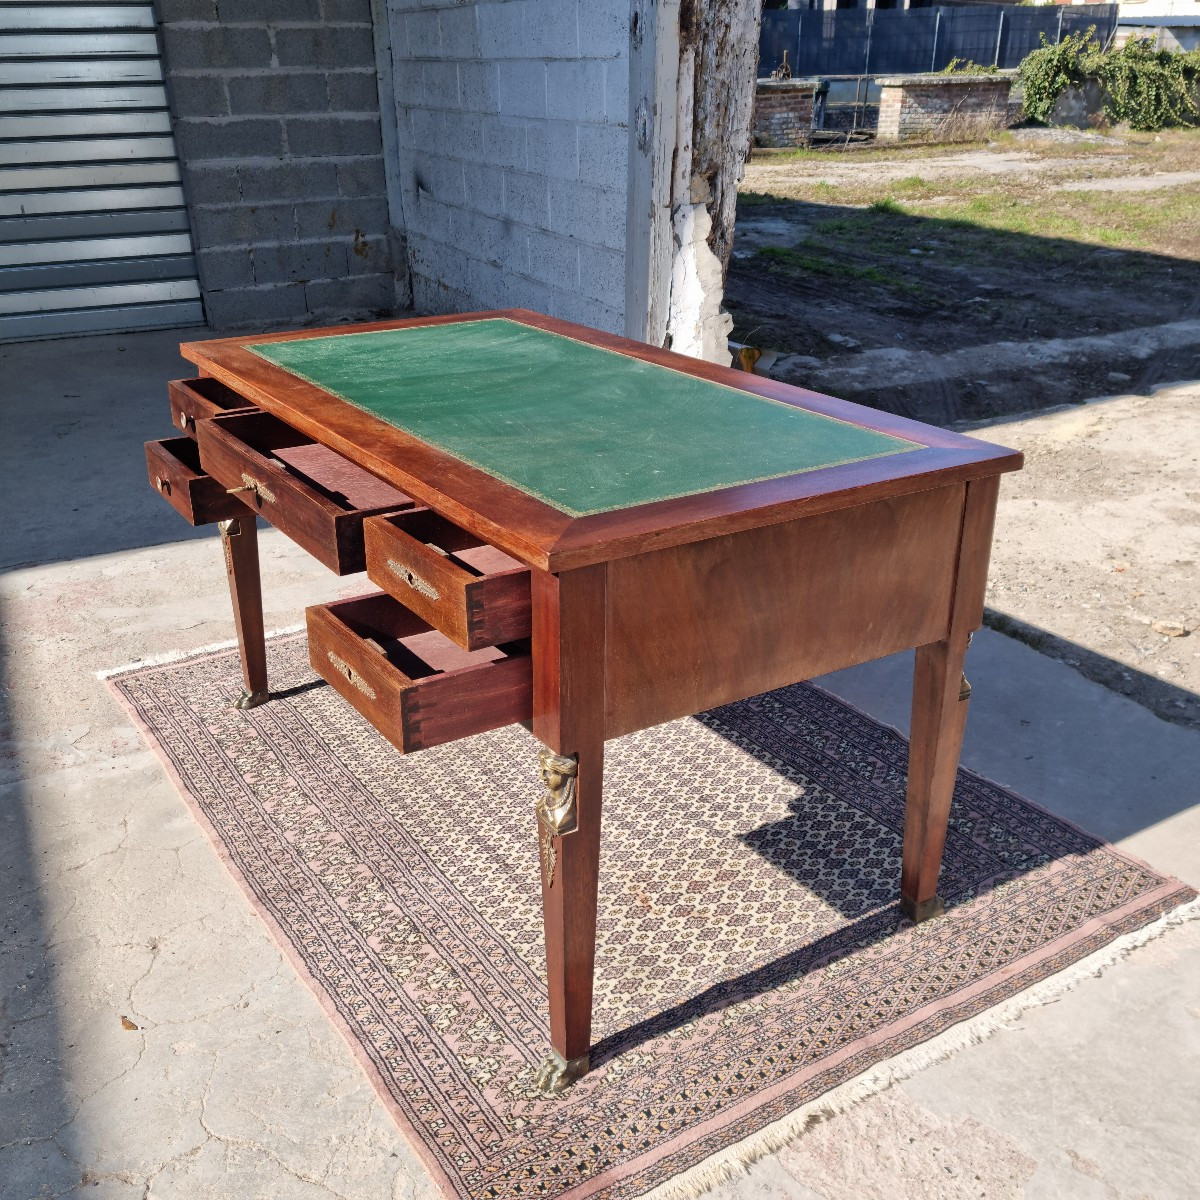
[860,41]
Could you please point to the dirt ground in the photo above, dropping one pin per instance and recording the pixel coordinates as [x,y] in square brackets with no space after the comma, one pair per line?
[997,289]
[960,284]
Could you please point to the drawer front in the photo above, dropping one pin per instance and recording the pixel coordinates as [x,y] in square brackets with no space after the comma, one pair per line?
[174,469]
[475,594]
[413,684]
[195,400]
[305,490]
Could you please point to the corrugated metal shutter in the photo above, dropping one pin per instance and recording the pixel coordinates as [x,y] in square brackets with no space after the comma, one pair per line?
[94,235]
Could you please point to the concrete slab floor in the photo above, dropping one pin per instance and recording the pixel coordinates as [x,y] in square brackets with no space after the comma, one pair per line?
[115,913]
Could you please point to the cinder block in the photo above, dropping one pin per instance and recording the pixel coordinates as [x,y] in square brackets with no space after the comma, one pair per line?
[361,177]
[603,155]
[356,11]
[312,137]
[353,91]
[519,291]
[440,80]
[230,138]
[485,190]
[239,308]
[424,35]
[271,11]
[602,276]
[243,224]
[435,260]
[225,268]
[527,199]
[616,92]
[340,45]
[502,29]
[594,215]
[302,261]
[604,29]
[429,128]
[273,181]
[553,259]
[209,184]
[426,216]
[368,253]
[408,83]
[441,177]
[375,294]
[460,32]
[170,11]
[279,92]
[523,87]
[198,96]
[554,149]
[479,85]
[552,29]
[505,140]
[339,218]
[429,296]
[501,243]
[218,45]
[455,134]
[583,310]
[575,90]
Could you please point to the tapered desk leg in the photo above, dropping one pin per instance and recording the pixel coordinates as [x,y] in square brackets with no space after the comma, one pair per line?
[941,697]
[239,541]
[568,716]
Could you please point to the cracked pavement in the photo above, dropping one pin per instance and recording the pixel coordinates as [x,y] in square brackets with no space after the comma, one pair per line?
[155,1044]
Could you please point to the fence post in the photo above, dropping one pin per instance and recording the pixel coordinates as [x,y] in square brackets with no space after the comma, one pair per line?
[999,35]
[937,24]
[870,26]
[1060,17]
[799,26]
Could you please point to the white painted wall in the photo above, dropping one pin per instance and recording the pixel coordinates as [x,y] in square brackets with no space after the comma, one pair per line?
[511,155]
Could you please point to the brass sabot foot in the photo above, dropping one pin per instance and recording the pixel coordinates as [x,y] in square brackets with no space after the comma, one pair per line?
[925,911]
[251,699]
[557,1074]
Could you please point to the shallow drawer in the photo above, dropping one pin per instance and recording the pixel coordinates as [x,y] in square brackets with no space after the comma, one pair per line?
[471,591]
[174,469]
[195,400]
[413,684]
[316,497]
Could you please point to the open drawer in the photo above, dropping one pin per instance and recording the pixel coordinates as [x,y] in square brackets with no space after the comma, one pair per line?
[195,400]
[315,496]
[174,469]
[413,684]
[471,591]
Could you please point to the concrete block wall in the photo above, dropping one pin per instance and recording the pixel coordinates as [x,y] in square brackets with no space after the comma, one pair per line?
[783,112]
[512,120]
[942,107]
[275,108]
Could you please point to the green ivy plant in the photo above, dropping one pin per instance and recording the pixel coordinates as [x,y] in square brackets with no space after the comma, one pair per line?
[1144,86]
[966,66]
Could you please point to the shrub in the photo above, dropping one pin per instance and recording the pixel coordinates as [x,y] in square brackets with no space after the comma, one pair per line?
[1147,87]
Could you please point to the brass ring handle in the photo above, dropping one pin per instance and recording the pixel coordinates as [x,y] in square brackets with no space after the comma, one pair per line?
[163,485]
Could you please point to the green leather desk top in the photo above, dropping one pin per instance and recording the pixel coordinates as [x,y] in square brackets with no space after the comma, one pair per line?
[584,429]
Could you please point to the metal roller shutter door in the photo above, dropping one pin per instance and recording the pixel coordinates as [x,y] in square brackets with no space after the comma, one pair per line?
[94,235]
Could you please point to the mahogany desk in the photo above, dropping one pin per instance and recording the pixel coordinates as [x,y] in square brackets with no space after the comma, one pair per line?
[591,536]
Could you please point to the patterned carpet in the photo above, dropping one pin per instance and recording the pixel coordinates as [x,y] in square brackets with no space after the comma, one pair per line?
[750,952]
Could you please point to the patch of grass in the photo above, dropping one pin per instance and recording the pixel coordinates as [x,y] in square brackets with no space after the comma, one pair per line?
[753,198]
[889,204]
[911,183]
[819,264]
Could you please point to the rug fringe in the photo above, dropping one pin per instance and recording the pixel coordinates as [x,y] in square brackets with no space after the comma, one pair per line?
[170,656]
[736,1160]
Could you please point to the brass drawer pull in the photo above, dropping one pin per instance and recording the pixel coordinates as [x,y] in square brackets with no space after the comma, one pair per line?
[353,678]
[413,580]
[163,485]
[250,484]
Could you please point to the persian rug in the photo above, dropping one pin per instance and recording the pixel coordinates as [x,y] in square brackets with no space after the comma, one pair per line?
[750,958]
